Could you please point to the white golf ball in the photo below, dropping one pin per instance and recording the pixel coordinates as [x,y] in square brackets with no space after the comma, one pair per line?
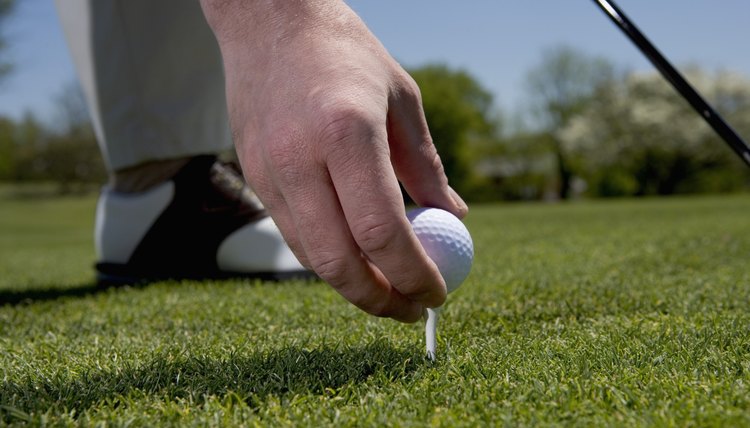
[446,240]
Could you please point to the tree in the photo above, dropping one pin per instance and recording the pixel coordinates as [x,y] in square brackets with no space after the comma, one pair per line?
[559,88]
[7,149]
[29,136]
[640,137]
[6,8]
[66,154]
[71,156]
[72,112]
[459,113]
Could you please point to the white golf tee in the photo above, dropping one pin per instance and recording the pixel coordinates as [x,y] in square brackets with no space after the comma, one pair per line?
[430,332]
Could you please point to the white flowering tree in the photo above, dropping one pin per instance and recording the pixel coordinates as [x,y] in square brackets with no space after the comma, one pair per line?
[639,137]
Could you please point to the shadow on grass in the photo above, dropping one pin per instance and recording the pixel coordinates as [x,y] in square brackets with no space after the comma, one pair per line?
[249,378]
[45,293]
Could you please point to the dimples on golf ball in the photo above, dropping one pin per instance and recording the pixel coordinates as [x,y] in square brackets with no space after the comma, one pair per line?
[446,240]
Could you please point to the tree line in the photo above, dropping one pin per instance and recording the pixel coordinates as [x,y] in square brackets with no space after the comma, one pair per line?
[590,129]
[64,153]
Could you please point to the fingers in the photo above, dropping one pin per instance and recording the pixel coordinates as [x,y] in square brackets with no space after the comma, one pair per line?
[368,193]
[296,188]
[415,159]
[330,248]
[342,212]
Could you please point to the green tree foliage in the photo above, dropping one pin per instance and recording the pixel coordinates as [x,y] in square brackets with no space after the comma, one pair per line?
[559,88]
[29,138]
[7,149]
[639,137]
[66,154]
[6,8]
[72,161]
[459,113]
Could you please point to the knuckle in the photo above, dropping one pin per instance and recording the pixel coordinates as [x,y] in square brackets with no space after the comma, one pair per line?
[342,134]
[374,234]
[333,270]
[436,163]
[407,88]
[343,122]
[411,90]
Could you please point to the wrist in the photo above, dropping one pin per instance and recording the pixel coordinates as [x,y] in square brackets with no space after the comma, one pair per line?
[261,20]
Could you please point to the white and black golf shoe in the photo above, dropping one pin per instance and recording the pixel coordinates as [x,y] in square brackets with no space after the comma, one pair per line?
[205,223]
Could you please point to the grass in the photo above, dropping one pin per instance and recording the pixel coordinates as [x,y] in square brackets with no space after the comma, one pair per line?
[633,312]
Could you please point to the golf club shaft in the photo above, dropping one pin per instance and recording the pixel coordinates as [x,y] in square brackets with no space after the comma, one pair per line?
[676,79]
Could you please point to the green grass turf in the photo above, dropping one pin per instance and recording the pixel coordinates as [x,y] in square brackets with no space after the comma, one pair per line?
[581,314]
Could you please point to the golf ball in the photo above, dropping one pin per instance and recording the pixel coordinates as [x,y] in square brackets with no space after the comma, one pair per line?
[446,240]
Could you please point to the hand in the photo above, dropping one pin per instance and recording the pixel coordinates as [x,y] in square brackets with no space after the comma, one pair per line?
[325,123]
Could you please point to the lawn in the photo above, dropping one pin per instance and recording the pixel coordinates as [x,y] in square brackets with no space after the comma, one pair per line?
[632,312]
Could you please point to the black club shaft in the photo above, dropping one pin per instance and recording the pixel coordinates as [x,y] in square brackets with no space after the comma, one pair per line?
[675,78]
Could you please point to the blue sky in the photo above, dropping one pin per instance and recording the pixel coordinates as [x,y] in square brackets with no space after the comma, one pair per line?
[496,41]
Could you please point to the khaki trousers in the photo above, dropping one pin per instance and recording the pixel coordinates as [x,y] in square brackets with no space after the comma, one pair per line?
[152,75]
